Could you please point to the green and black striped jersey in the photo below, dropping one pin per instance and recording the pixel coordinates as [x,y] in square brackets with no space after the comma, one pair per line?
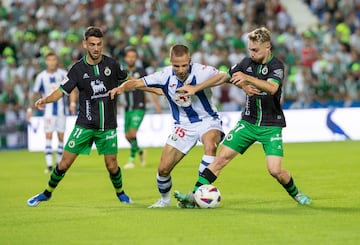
[264,109]
[136,99]
[96,109]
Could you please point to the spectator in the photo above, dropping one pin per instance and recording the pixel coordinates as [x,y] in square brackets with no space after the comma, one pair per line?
[205,26]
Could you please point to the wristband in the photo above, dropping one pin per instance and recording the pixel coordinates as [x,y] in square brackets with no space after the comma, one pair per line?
[29,110]
[72,104]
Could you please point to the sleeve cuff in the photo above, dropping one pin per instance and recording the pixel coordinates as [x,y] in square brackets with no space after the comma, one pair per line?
[63,90]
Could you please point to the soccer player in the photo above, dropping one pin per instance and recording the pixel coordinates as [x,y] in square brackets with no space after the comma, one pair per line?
[260,76]
[94,75]
[55,113]
[135,107]
[195,117]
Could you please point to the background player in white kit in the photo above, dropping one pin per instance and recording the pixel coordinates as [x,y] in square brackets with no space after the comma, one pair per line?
[195,117]
[55,113]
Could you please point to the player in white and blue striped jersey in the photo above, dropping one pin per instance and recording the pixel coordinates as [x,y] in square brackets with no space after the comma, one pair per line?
[195,117]
[55,113]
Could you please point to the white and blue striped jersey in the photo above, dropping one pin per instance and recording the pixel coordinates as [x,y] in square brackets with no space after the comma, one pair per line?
[201,105]
[45,83]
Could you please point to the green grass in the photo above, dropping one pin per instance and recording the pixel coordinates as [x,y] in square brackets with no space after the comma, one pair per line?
[254,208]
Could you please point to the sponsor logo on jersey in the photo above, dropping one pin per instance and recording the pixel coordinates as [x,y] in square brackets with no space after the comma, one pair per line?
[278,137]
[85,76]
[99,89]
[249,69]
[88,110]
[112,136]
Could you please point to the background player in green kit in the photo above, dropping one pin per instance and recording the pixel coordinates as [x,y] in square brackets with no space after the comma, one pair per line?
[94,75]
[135,107]
[260,76]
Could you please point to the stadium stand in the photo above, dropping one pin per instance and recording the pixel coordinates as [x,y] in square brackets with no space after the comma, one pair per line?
[322,57]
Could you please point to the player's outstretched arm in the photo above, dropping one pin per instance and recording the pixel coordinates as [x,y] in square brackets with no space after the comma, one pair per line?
[156,102]
[127,86]
[73,98]
[54,96]
[216,80]
[156,91]
[29,110]
[240,79]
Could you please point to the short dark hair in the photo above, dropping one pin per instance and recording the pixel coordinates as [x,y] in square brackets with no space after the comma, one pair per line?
[130,49]
[93,31]
[179,50]
[50,53]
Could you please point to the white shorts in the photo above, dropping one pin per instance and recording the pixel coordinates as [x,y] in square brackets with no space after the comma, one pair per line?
[54,124]
[185,136]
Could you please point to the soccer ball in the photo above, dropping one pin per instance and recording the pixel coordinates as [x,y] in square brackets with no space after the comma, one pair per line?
[207,196]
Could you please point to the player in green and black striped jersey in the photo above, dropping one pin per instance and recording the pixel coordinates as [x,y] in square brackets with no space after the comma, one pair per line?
[93,76]
[135,107]
[260,76]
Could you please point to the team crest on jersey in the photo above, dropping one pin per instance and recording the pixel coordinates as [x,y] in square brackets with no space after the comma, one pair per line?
[181,99]
[71,144]
[229,137]
[174,137]
[264,70]
[107,71]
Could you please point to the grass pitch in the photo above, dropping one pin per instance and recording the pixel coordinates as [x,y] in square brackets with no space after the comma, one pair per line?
[254,207]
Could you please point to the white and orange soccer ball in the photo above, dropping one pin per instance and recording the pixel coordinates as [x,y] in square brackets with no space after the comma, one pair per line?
[207,196]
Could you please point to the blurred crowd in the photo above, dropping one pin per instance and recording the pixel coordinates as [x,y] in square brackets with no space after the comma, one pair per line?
[322,63]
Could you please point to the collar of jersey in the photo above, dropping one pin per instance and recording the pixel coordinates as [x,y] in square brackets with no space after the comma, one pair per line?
[270,59]
[84,59]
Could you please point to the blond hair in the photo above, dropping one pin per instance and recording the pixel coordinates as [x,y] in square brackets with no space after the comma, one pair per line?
[261,35]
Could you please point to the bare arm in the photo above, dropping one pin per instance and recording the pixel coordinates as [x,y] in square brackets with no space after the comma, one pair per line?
[73,98]
[156,102]
[154,91]
[241,80]
[216,80]
[54,96]
[128,86]
[31,107]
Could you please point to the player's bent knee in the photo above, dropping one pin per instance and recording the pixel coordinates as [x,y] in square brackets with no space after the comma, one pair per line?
[111,164]
[112,168]
[275,173]
[210,149]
